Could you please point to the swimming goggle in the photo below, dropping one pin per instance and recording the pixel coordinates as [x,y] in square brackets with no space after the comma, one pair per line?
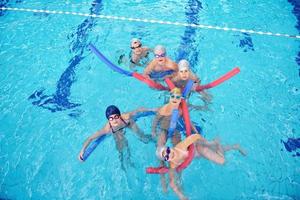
[160,55]
[173,96]
[167,156]
[140,45]
[183,70]
[114,117]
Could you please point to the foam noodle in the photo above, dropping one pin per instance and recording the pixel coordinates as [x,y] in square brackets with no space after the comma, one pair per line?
[188,129]
[140,77]
[162,170]
[149,82]
[173,122]
[219,80]
[94,144]
[92,147]
[169,83]
[107,62]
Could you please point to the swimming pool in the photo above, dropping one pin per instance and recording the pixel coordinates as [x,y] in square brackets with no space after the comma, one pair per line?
[54,92]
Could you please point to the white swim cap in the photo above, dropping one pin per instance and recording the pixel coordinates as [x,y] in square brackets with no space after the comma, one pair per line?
[160,48]
[159,152]
[183,64]
[135,40]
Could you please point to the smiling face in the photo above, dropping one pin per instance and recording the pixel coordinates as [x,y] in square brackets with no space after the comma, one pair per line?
[115,120]
[184,74]
[175,97]
[160,56]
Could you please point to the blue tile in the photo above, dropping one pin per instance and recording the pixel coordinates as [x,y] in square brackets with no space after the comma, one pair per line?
[296,12]
[59,101]
[188,47]
[292,145]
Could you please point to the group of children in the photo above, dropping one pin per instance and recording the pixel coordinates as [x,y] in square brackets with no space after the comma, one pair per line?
[173,156]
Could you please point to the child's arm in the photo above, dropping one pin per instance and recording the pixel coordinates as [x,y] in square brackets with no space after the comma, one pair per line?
[188,141]
[104,130]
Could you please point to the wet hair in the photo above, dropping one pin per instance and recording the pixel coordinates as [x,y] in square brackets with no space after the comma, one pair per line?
[112,110]
[160,48]
[176,90]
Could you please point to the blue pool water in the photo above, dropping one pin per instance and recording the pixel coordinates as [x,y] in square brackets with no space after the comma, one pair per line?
[54,91]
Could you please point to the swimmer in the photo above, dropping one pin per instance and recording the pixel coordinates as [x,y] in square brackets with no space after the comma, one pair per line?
[185,74]
[138,52]
[175,156]
[116,125]
[160,63]
[163,119]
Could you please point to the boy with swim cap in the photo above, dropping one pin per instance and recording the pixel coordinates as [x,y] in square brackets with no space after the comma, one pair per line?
[185,74]
[116,125]
[138,52]
[160,63]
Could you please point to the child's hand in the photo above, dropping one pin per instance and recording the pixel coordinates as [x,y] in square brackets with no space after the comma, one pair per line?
[80,156]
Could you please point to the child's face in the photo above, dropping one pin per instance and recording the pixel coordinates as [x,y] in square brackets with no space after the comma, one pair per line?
[115,120]
[184,74]
[175,99]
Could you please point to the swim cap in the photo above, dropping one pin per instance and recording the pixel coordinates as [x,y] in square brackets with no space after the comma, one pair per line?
[183,64]
[159,152]
[160,48]
[176,90]
[112,110]
[134,40]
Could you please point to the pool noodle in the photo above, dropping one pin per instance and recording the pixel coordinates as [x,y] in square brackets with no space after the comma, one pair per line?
[188,128]
[92,147]
[149,82]
[220,80]
[173,122]
[140,77]
[107,62]
[94,144]
[188,160]
[187,88]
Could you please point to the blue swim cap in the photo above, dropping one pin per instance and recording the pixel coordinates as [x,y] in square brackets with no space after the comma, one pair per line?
[112,110]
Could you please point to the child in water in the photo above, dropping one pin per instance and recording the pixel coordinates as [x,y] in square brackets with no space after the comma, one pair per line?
[175,156]
[117,125]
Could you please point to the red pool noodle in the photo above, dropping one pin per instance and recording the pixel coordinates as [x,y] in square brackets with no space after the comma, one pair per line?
[188,129]
[191,148]
[169,83]
[186,117]
[149,82]
[157,170]
[220,80]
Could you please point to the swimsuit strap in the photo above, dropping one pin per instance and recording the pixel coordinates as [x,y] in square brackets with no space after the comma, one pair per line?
[132,61]
[126,125]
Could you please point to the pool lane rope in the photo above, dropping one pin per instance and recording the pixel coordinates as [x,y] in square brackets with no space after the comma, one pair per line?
[152,21]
